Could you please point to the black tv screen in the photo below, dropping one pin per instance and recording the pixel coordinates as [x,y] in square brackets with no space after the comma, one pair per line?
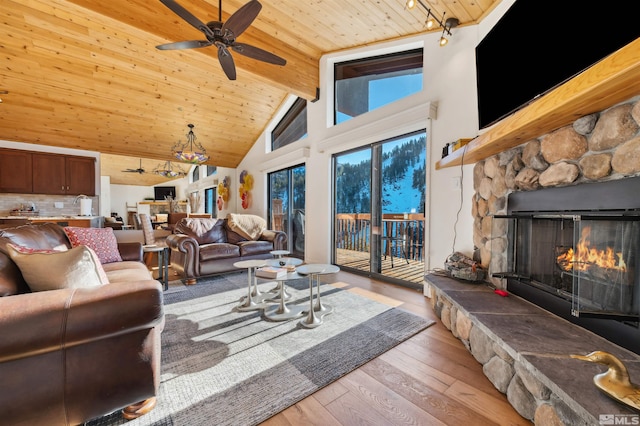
[539,44]
[161,192]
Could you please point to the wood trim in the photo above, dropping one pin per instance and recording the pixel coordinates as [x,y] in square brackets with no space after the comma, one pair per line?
[610,81]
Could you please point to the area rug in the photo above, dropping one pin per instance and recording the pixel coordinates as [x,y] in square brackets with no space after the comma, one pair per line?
[225,367]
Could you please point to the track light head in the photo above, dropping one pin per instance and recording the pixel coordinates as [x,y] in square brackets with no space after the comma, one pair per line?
[429,23]
[411,4]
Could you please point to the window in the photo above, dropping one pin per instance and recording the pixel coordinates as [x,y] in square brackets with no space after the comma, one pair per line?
[292,127]
[210,201]
[363,85]
[211,170]
[195,174]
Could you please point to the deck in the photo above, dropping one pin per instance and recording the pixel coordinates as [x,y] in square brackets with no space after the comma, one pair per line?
[412,272]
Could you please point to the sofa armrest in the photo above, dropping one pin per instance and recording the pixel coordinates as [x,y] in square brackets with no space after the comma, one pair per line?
[187,259]
[278,238]
[42,322]
[131,251]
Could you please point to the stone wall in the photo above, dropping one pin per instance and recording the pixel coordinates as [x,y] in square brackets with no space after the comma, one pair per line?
[597,147]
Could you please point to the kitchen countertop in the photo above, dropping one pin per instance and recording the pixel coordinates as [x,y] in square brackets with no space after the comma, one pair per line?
[50,217]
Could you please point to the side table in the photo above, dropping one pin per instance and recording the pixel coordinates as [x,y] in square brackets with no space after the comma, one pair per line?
[282,262]
[163,262]
[318,311]
[248,303]
[282,312]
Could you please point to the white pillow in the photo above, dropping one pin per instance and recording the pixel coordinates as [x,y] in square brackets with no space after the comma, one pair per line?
[51,270]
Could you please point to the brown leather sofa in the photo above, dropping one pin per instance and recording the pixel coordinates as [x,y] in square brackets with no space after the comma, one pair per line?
[201,247]
[70,355]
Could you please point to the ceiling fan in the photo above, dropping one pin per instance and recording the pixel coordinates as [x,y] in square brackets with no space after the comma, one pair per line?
[223,35]
[138,170]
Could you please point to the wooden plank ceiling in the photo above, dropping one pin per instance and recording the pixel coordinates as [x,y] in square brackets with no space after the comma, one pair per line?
[86,74]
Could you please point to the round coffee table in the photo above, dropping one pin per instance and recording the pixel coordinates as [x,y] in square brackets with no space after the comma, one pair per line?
[248,303]
[282,312]
[282,262]
[316,312]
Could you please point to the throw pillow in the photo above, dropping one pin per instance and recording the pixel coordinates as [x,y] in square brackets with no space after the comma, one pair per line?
[248,225]
[101,240]
[51,269]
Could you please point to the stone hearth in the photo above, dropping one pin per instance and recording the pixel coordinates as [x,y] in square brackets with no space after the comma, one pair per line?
[525,352]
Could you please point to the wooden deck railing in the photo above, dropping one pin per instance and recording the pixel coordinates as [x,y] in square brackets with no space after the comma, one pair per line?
[399,232]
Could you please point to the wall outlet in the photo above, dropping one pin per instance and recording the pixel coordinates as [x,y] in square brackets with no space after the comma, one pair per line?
[456,182]
[58,205]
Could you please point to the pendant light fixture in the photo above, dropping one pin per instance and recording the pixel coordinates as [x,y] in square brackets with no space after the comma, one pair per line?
[168,170]
[432,19]
[191,151]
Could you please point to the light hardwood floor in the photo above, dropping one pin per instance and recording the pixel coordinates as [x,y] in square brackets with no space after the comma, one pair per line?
[430,379]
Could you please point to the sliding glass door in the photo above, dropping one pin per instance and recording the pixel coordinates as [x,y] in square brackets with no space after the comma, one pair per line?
[379,209]
[287,206]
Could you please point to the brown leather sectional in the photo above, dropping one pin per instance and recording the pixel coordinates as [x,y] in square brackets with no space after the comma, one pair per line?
[70,355]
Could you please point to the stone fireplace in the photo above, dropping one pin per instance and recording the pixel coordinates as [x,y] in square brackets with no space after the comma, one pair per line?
[537,198]
[547,187]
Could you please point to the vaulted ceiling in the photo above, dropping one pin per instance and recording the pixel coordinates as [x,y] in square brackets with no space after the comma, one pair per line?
[86,74]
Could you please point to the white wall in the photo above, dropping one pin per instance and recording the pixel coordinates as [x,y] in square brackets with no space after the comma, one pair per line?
[449,85]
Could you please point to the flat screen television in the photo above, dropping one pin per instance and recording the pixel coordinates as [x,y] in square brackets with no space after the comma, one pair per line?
[539,44]
[161,192]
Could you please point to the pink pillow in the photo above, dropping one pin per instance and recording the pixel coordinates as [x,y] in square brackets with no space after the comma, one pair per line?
[101,240]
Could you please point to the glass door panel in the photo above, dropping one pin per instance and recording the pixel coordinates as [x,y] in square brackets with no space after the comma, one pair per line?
[287,206]
[352,224]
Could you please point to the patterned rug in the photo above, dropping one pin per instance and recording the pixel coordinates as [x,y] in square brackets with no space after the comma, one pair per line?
[225,367]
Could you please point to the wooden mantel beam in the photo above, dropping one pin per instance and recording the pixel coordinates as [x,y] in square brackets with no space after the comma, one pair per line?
[614,79]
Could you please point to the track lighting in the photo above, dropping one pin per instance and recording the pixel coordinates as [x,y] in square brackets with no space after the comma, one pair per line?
[433,19]
[448,24]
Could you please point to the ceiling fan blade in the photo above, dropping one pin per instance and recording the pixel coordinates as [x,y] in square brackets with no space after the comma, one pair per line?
[242,18]
[257,53]
[226,61]
[189,44]
[187,16]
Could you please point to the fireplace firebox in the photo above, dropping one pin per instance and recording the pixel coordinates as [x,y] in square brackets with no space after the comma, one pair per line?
[575,251]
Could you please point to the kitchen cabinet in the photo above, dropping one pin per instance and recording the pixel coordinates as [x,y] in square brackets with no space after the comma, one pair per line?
[16,171]
[63,174]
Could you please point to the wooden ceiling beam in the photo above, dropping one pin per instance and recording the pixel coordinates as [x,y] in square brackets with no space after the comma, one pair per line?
[299,76]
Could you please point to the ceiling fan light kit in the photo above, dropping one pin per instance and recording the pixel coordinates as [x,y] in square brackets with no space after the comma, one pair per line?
[432,19]
[223,35]
[191,151]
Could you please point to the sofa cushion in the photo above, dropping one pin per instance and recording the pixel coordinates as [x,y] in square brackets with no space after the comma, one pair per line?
[51,270]
[42,236]
[218,251]
[250,248]
[37,236]
[127,271]
[101,240]
[204,231]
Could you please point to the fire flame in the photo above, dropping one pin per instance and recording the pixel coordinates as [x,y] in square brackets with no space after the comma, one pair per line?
[585,256]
